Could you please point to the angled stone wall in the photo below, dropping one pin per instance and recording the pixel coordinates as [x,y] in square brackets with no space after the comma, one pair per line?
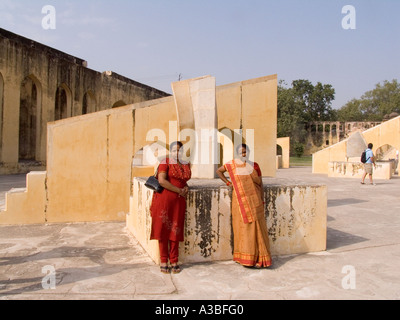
[39,84]
[385,134]
[89,157]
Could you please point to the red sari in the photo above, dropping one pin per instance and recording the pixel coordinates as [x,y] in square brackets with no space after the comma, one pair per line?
[168,208]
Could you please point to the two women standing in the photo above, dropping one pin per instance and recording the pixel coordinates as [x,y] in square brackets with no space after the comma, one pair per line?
[251,244]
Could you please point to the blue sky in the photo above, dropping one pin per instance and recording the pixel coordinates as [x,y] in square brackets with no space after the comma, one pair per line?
[154,41]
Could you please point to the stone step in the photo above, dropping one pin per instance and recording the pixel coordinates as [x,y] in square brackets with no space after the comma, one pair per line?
[25,205]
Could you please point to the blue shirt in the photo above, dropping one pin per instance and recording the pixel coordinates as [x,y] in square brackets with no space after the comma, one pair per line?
[369,154]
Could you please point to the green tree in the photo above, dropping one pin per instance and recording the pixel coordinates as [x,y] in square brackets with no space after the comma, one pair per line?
[300,104]
[290,113]
[316,100]
[374,104]
[351,111]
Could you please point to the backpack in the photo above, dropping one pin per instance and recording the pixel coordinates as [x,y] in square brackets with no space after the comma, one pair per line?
[364,157]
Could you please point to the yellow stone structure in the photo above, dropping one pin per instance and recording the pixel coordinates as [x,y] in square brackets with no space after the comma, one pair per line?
[96,164]
[93,138]
[283,161]
[295,215]
[89,157]
[343,159]
[38,85]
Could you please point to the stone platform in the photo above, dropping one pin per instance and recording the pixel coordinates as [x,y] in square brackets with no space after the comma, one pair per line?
[101,260]
[296,215]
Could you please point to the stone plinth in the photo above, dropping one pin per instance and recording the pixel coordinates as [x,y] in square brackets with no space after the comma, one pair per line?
[342,169]
[296,218]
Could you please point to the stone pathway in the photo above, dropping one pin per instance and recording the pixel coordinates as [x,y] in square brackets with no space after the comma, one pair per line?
[103,261]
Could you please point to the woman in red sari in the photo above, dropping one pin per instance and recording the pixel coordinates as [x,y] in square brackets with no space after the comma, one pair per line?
[169,207]
[250,234]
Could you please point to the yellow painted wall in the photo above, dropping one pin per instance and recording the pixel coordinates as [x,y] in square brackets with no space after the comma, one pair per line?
[78,173]
[89,158]
[252,104]
[284,143]
[155,116]
[296,217]
[26,205]
[260,114]
[385,133]
[229,95]
[49,68]
[383,170]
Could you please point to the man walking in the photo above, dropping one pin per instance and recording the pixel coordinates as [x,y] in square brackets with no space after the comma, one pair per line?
[368,165]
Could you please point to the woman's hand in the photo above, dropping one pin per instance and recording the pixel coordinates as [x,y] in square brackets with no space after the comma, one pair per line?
[220,173]
[184,191]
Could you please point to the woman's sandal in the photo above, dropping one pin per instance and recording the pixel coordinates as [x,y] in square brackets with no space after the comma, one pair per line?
[176,269]
[165,269]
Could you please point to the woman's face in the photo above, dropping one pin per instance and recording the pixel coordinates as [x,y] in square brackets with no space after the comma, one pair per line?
[176,152]
[242,152]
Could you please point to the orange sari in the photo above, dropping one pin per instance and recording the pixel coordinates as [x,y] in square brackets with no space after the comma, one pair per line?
[250,234]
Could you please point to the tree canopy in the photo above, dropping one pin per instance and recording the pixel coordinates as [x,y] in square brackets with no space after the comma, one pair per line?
[374,105]
[300,104]
[303,103]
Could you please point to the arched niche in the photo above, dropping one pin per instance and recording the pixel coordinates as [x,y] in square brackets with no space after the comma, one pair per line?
[88,103]
[386,152]
[63,103]
[29,118]
[118,104]
[279,150]
[228,141]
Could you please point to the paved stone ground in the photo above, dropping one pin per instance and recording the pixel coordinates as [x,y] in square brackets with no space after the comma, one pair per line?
[102,261]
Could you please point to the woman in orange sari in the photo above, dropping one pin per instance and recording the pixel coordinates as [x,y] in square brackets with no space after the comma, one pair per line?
[168,208]
[250,234]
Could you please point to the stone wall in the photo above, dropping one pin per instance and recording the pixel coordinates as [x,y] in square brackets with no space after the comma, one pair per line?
[39,84]
[383,170]
[296,216]
[284,160]
[386,134]
[322,134]
[89,157]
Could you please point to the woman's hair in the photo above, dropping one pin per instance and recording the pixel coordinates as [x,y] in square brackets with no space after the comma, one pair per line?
[173,144]
[243,145]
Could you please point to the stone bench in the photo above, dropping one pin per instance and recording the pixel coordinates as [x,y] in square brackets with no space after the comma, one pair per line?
[296,216]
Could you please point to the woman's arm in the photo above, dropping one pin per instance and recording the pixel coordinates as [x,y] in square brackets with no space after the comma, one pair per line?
[220,174]
[257,180]
[162,178]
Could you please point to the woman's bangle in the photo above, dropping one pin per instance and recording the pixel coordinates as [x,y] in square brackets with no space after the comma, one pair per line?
[228,183]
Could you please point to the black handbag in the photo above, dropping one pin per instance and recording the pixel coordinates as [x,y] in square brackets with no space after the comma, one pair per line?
[153,184]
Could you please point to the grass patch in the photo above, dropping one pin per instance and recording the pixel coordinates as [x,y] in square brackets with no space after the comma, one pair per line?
[304,161]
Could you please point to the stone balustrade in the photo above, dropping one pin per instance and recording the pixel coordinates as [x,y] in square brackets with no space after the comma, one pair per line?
[342,169]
